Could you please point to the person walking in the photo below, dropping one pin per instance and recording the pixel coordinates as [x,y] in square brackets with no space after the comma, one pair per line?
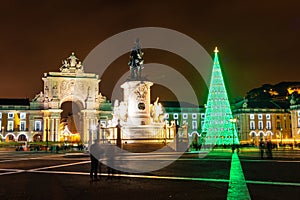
[261,148]
[94,165]
[269,149]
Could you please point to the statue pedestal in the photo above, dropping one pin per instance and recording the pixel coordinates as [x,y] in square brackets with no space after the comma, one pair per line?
[137,98]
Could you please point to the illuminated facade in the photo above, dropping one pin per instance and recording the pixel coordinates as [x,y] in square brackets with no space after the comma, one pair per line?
[40,119]
[15,120]
[188,114]
[255,124]
[295,119]
[249,122]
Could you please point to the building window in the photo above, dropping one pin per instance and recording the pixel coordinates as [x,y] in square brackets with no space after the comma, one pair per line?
[194,125]
[10,125]
[298,122]
[37,126]
[22,125]
[1,125]
[194,116]
[202,116]
[260,125]
[251,116]
[0,115]
[268,116]
[10,115]
[185,116]
[252,125]
[298,113]
[278,125]
[175,115]
[260,116]
[278,117]
[103,123]
[22,115]
[268,126]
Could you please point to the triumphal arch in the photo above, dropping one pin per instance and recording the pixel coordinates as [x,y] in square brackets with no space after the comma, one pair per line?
[69,84]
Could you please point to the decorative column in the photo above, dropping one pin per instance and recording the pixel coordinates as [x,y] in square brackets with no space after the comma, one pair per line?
[53,124]
[52,129]
[46,125]
[56,138]
[89,118]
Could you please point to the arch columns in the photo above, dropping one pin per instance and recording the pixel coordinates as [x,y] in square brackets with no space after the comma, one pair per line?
[89,122]
[51,124]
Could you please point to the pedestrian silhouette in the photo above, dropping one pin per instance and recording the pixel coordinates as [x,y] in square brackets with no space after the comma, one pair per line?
[269,150]
[261,148]
[94,164]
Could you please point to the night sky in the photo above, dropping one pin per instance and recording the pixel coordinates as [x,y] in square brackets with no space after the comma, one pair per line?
[258,40]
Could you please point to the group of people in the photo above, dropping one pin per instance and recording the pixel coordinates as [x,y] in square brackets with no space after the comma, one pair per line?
[96,165]
[265,147]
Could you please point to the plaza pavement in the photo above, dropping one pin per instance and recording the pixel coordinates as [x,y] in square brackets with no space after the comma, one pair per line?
[220,175]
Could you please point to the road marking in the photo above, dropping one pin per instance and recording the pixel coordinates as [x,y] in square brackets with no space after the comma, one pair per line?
[273,183]
[170,178]
[13,172]
[30,158]
[57,166]
[237,188]
[138,176]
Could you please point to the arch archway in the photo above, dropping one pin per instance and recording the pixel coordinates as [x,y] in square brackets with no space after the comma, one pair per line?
[10,137]
[71,117]
[253,134]
[22,137]
[37,137]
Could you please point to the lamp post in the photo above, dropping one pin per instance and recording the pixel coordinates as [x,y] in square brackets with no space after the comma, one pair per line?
[47,132]
[281,136]
[2,130]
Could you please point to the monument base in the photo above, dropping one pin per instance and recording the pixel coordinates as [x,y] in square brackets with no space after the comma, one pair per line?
[150,133]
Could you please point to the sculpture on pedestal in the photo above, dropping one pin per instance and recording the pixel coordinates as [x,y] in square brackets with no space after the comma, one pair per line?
[136,61]
[71,65]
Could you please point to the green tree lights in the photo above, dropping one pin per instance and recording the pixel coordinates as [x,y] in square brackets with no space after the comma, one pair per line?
[219,125]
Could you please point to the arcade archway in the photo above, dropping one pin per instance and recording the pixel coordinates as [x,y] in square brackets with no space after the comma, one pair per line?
[70,127]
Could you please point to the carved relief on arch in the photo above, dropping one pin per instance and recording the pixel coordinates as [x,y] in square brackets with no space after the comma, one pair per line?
[71,86]
[67,87]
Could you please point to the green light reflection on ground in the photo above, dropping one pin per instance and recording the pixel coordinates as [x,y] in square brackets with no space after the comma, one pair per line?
[237,188]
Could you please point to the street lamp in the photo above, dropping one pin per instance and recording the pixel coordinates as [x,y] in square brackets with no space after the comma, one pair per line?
[2,130]
[47,132]
[281,136]
[233,121]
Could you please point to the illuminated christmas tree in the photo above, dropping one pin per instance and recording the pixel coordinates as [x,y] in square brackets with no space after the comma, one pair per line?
[219,125]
